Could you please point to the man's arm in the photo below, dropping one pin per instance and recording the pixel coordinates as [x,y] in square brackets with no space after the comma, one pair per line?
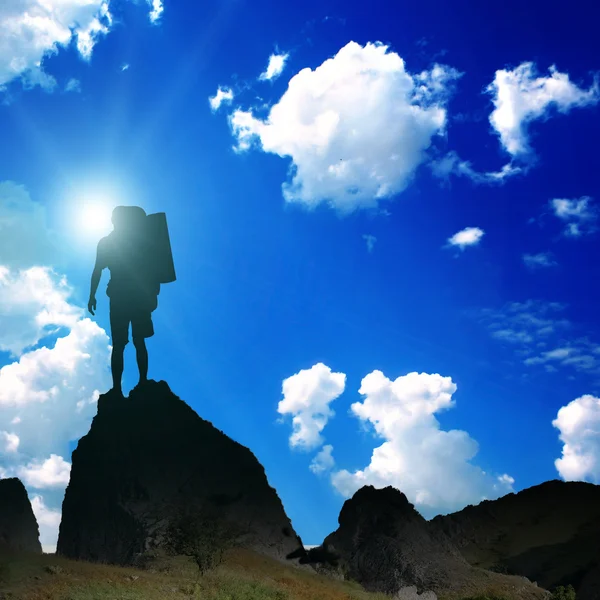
[96,274]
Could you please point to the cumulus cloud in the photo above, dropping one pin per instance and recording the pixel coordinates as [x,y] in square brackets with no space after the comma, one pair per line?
[578,214]
[48,521]
[579,425]
[11,441]
[156,11]
[33,303]
[539,261]
[48,394]
[25,238]
[223,95]
[323,460]
[520,96]
[431,466]
[30,30]
[52,472]
[356,128]
[470,236]
[307,396]
[275,67]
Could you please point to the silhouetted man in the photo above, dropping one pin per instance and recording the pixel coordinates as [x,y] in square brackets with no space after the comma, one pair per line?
[132,291]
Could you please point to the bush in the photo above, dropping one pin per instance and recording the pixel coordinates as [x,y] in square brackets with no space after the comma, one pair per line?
[201,535]
[564,593]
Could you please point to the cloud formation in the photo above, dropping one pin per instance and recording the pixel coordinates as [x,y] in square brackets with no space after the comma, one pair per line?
[307,396]
[356,128]
[323,460]
[223,95]
[52,472]
[470,236]
[521,96]
[48,394]
[541,336]
[33,303]
[275,67]
[31,30]
[578,214]
[539,261]
[579,425]
[431,466]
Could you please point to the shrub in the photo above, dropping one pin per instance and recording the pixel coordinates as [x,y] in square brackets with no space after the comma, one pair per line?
[201,535]
[564,593]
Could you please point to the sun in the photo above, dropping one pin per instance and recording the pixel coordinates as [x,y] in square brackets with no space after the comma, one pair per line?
[94,216]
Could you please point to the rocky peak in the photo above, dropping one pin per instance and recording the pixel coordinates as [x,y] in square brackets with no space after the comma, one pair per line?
[548,533]
[19,530]
[148,464]
[386,545]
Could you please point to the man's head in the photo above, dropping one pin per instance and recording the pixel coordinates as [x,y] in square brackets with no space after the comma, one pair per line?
[127,218]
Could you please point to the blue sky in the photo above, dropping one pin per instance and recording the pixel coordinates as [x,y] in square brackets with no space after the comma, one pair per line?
[384,228]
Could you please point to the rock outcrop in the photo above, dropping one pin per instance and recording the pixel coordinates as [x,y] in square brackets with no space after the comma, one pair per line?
[19,530]
[384,544]
[548,533]
[150,469]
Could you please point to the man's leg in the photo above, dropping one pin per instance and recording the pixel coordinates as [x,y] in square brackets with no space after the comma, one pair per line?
[119,325]
[141,328]
[116,365]
[141,354]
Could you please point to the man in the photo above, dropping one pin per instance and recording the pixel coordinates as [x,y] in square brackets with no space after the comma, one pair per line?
[132,290]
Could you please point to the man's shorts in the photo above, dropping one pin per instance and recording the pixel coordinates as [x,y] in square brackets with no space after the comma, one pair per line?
[124,313]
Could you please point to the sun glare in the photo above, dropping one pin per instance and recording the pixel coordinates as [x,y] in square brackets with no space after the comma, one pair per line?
[95,216]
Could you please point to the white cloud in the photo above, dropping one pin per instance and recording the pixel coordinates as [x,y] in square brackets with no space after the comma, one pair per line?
[452,164]
[48,521]
[25,239]
[370,240]
[520,97]
[30,30]
[356,128]
[223,95]
[53,472]
[307,396]
[11,441]
[470,236]
[579,425]
[157,10]
[73,85]
[33,303]
[125,67]
[431,466]
[275,67]
[540,260]
[48,395]
[578,215]
[323,461]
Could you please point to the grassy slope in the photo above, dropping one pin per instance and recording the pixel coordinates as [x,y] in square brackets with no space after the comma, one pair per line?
[243,576]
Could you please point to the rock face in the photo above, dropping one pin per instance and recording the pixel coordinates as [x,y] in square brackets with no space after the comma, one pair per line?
[549,533]
[386,545]
[18,527]
[148,467]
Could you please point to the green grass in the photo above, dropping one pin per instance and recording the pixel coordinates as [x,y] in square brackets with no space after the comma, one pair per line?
[243,576]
